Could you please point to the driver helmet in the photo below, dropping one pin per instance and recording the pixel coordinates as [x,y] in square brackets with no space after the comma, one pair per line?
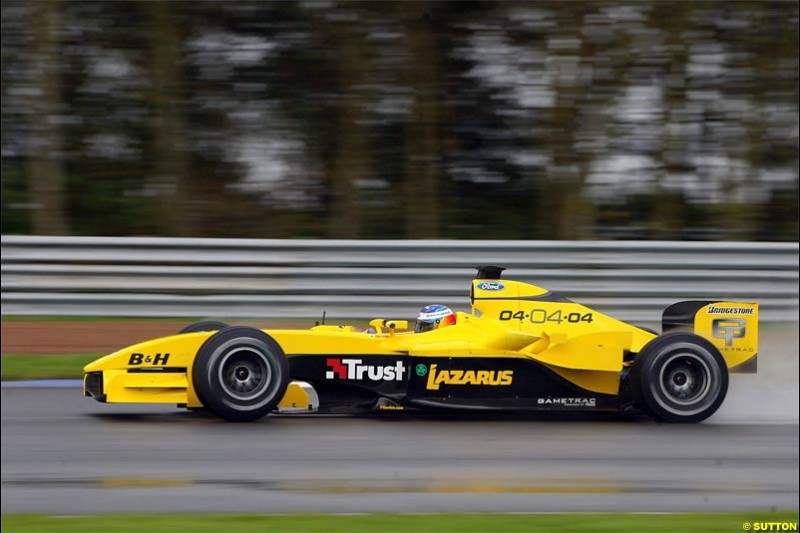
[433,317]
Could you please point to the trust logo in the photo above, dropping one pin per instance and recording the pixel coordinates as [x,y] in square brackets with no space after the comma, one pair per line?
[353,369]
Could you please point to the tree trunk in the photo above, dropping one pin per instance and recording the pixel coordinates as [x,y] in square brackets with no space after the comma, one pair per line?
[423,157]
[350,159]
[169,132]
[47,147]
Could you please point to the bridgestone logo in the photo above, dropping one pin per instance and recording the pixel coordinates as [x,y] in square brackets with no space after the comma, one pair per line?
[352,369]
[712,310]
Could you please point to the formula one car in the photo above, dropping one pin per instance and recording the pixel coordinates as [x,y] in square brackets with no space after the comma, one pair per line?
[522,348]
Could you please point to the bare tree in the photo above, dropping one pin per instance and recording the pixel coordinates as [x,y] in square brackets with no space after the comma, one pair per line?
[423,150]
[45,166]
[171,145]
[350,159]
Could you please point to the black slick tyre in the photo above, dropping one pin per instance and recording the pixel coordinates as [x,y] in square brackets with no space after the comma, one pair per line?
[680,377]
[203,326]
[240,374]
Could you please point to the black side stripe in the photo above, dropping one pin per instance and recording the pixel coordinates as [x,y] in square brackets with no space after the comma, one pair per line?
[158,370]
[546,297]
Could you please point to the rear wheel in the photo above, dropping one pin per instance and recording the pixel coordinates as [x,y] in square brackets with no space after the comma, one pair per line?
[680,377]
[205,325]
[240,374]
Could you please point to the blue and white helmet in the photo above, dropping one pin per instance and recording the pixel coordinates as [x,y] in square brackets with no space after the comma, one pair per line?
[434,316]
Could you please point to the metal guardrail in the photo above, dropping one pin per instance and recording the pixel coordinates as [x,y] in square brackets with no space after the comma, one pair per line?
[139,277]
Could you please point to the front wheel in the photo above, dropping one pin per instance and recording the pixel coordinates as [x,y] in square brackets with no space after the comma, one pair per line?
[680,377]
[240,374]
[203,326]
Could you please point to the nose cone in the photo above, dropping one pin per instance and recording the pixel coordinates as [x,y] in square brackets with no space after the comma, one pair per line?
[104,363]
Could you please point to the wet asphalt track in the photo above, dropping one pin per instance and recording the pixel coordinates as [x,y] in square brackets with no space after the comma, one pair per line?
[62,453]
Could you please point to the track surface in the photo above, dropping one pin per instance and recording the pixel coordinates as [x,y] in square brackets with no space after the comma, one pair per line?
[62,453]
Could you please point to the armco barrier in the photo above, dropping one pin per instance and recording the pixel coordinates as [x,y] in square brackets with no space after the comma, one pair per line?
[138,277]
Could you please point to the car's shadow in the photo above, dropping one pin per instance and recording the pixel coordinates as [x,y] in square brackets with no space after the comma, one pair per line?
[205,417]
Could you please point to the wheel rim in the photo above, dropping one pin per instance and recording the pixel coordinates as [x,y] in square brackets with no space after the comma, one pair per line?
[685,378]
[244,373]
[702,395]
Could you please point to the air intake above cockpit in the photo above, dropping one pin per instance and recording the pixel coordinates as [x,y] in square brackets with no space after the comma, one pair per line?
[489,272]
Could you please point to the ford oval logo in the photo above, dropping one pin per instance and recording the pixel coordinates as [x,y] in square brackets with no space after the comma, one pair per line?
[490,286]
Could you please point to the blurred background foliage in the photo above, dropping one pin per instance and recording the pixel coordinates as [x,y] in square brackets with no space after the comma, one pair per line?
[540,120]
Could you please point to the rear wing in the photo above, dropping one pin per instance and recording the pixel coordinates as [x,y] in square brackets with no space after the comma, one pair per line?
[730,326]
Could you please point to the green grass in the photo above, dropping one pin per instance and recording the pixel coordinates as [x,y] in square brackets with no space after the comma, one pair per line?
[390,523]
[15,367]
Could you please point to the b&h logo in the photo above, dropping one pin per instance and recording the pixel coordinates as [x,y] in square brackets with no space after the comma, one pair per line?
[140,358]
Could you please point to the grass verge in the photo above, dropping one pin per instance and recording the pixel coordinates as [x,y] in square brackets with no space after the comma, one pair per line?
[16,367]
[390,523]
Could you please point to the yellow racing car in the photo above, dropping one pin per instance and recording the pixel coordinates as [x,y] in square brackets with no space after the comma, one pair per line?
[521,348]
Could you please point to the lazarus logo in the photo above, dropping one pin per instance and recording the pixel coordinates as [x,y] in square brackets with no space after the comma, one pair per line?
[353,369]
[493,378]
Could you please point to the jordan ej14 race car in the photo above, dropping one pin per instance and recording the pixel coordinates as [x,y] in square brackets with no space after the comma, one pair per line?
[522,348]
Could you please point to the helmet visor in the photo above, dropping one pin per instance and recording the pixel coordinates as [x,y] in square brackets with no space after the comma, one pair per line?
[422,326]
